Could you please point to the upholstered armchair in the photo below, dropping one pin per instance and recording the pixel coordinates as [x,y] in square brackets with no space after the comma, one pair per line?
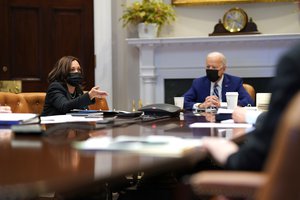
[100,104]
[250,89]
[33,102]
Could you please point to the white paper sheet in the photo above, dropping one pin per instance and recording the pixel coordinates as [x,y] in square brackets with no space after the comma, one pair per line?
[18,118]
[224,111]
[223,104]
[220,125]
[155,145]
[229,111]
[67,118]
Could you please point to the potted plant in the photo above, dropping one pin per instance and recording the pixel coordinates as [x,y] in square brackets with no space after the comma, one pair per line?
[149,15]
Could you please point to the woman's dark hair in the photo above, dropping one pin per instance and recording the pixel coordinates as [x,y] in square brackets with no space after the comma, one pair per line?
[61,69]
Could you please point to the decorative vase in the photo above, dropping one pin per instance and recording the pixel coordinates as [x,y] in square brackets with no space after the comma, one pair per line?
[147,30]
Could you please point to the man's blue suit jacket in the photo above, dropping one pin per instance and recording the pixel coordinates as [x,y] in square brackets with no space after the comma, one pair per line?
[201,89]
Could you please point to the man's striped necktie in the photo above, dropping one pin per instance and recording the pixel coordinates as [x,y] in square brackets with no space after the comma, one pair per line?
[216,90]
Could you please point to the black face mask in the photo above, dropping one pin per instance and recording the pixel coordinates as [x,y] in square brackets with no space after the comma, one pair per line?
[74,79]
[212,75]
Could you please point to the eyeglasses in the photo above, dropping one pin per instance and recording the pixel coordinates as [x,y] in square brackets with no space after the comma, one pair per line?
[213,67]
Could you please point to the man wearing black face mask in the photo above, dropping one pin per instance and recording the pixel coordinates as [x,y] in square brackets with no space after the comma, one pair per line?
[64,92]
[210,90]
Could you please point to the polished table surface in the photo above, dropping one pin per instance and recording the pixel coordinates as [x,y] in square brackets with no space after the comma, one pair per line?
[49,163]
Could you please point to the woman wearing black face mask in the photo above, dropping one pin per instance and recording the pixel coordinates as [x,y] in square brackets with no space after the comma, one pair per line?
[64,92]
[210,90]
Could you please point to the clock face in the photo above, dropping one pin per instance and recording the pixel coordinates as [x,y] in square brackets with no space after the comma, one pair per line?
[235,19]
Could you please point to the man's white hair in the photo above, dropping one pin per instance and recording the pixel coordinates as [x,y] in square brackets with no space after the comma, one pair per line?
[220,55]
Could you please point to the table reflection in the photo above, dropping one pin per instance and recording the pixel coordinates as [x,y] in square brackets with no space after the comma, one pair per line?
[51,158]
[6,136]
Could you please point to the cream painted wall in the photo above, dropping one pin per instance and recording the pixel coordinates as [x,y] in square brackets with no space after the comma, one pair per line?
[125,71]
[191,21]
[103,46]
[200,20]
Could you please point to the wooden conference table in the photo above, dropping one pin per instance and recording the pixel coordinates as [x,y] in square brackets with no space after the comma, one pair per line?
[39,164]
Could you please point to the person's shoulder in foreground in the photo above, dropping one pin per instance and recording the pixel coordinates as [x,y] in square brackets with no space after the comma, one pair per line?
[254,152]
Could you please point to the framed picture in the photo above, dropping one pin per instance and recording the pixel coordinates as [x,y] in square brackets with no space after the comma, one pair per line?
[205,2]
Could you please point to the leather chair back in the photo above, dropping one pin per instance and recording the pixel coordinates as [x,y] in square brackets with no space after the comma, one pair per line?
[33,102]
[16,101]
[250,89]
[100,104]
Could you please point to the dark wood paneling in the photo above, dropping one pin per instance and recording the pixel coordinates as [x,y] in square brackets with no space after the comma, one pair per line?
[25,43]
[36,33]
[3,40]
[71,24]
[67,22]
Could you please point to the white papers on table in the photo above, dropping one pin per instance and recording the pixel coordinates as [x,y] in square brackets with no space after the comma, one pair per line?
[223,104]
[220,125]
[229,111]
[155,145]
[68,118]
[227,121]
[224,111]
[18,118]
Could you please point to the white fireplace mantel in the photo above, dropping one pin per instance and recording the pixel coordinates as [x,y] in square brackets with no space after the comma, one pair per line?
[178,57]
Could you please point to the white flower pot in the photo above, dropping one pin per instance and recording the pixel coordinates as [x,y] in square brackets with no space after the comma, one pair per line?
[147,30]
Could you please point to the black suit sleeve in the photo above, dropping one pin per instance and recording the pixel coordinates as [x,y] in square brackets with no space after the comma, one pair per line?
[58,101]
[284,86]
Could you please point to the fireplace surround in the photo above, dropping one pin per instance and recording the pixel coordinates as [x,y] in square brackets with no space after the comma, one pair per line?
[248,56]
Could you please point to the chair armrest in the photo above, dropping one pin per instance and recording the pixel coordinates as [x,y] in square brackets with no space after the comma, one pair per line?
[230,184]
[100,104]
